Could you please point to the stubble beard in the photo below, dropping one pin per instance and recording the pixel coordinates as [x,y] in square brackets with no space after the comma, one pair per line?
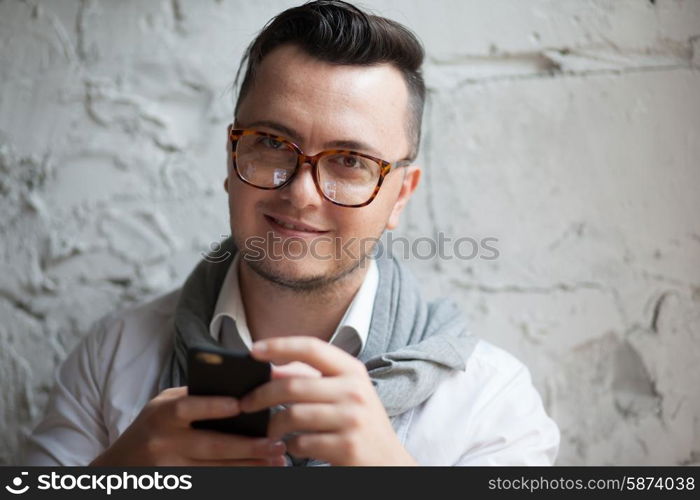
[319,285]
[307,285]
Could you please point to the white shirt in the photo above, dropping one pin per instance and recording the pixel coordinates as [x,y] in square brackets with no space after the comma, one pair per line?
[489,414]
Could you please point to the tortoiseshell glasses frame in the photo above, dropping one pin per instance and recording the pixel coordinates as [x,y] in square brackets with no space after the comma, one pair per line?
[384,166]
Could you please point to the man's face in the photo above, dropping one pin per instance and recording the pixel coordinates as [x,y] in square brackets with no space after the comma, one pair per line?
[318,105]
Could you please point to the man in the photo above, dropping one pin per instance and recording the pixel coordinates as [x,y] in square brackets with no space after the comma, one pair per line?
[320,154]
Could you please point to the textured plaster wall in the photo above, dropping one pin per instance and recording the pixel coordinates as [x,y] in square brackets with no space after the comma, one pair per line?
[567,129]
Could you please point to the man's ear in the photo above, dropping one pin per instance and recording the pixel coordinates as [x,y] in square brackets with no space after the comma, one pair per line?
[411,177]
[229,157]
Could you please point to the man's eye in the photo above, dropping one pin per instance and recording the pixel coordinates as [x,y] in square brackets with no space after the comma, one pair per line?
[350,161]
[271,143]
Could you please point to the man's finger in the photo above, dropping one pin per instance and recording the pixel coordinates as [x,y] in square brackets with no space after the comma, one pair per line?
[307,417]
[173,392]
[294,369]
[186,409]
[327,358]
[199,444]
[324,446]
[294,390]
[269,462]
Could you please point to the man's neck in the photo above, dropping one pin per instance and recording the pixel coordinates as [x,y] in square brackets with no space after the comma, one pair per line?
[273,310]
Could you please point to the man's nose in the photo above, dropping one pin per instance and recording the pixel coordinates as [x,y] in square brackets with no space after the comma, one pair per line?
[302,191]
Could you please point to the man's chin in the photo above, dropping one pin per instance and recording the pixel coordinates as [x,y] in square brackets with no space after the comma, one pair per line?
[299,275]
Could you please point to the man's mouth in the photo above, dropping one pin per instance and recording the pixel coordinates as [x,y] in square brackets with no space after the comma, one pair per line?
[287,226]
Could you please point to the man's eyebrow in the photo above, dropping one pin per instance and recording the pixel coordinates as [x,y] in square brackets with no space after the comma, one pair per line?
[296,137]
[282,129]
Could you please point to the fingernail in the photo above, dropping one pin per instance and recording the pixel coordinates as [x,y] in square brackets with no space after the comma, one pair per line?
[276,446]
[233,405]
[260,346]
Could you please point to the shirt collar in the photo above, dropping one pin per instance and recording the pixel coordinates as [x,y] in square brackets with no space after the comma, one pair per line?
[229,304]
[350,334]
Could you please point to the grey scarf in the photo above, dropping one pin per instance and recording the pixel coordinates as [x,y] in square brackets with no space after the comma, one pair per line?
[412,345]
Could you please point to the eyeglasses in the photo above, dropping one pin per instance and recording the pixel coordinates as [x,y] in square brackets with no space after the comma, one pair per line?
[343,177]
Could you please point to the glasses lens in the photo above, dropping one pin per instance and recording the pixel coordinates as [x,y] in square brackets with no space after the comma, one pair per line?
[264,161]
[347,178]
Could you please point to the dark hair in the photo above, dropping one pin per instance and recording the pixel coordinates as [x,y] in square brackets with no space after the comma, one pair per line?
[337,32]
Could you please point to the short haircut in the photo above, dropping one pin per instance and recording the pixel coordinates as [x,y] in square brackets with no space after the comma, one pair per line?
[337,32]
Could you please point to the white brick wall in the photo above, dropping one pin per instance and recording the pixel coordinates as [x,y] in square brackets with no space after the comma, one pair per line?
[570,130]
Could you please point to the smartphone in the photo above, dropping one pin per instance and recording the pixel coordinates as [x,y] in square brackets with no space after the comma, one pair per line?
[213,371]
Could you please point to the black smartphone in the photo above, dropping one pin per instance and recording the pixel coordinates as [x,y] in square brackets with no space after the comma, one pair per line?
[213,371]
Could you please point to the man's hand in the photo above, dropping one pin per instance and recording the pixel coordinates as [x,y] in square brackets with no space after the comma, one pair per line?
[161,435]
[341,417]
